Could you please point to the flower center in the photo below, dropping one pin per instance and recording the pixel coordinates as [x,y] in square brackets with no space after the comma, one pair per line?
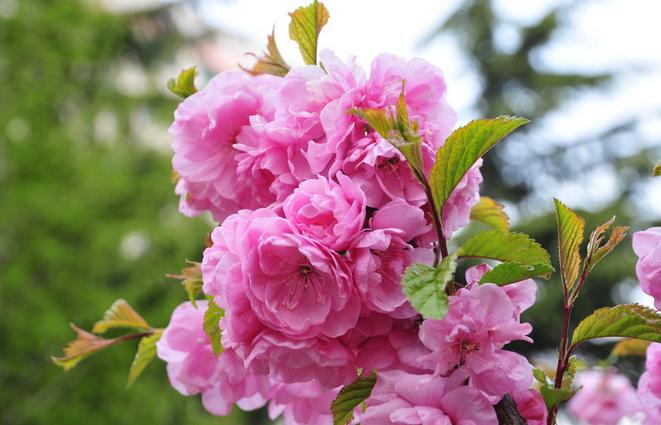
[306,279]
[391,163]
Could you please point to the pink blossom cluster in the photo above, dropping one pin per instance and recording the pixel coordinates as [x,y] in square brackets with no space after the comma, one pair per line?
[607,397]
[320,218]
[413,386]
[247,142]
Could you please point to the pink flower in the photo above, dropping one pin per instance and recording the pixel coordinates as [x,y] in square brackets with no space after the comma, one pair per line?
[456,212]
[424,90]
[649,385]
[522,294]
[479,322]
[234,384]
[207,126]
[291,283]
[373,163]
[531,406]
[605,398]
[647,246]
[383,343]
[650,403]
[381,171]
[322,359]
[380,256]
[272,148]
[283,296]
[653,368]
[193,368]
[305,403]
[329,212]
[401,398]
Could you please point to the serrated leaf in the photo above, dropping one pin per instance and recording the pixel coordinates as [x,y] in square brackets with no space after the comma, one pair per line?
[85,344]
[191,279]
[271,61]
[184,85]
[630,347]
[553,396]
[597,251]
[625,320]
[304,28]
[350,397]
[462,149]
[506,273]
[571,228]
[212,317]
[491,213]
[120,315]
[656,171]
[424,286]
[506,247]
[145,354]
[597,235]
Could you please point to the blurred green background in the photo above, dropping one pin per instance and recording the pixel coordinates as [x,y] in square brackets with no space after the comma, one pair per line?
[88,215]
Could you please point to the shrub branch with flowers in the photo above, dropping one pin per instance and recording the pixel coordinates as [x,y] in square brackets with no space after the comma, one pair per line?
[330,291]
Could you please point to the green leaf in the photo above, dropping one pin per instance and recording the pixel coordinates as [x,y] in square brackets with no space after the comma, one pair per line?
[191,279]
[120,315]
[596,250]
[84,345]
[378,119]
[491,213]
[184,85]
[553,396]
[506,247]
[462,149]
[395,127]
[540,375]
[630,347]
[350,397]
[304,28]
[571,229]
[506,273]
[271,61]
[424,286]
[212,317]
[145,354]
[402,112]
[626,320]
[656,171]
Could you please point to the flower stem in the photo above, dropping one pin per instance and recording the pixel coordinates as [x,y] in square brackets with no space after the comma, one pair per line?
[442,250]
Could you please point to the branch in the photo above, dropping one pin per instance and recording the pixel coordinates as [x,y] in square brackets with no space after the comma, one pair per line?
[507,412]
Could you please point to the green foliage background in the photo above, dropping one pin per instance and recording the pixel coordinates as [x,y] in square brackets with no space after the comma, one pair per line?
[67,200]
